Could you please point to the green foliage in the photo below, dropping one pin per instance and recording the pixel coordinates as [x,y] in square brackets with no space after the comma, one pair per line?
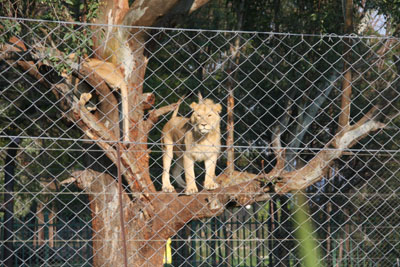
[53,10]
[83,8]
[12,27]
[67,38]
[309,250]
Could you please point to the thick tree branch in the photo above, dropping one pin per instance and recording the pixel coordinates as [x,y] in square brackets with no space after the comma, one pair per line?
[97,131]
[171,211]
[319,165]
[147,101]
[10,53]
[285,181]
[107,106]
[112,75]
[146,13]
[177,210]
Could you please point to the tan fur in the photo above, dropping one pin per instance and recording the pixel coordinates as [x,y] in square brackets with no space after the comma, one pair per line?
[194,139]
[115,79]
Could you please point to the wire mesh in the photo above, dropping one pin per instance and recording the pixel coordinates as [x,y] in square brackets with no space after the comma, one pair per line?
[286,83]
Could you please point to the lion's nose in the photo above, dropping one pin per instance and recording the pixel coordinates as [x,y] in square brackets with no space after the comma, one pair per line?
[204,124]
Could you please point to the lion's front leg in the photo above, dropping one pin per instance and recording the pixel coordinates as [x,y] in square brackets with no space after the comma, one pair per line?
[188,165]
[167,159]
[210,165]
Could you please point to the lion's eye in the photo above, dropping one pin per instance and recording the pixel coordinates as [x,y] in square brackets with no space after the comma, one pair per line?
[209,115]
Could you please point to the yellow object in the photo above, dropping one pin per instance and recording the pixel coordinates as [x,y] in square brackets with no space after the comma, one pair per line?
[167,253]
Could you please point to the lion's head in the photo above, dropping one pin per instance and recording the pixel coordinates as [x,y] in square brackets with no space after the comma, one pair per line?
[205,117]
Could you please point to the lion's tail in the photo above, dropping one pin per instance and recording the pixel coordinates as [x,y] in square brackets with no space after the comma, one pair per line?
[181,182]
[177,107]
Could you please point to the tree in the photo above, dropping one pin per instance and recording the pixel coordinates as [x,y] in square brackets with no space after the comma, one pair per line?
[150,216]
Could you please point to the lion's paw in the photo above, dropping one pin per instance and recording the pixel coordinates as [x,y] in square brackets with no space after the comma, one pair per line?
[168,189]
[191,190]
[211,185]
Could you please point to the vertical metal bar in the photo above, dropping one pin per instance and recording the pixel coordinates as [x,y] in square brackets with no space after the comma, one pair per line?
[263,240]
[8,225]
[243,238]
[120,206]
[251,252]
[271,233]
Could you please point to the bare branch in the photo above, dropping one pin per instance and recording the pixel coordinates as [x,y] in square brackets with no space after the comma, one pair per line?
[196,4]
[147,100]
[182,208]
[226,179]
[318,166]
[145,13]
[92,126]
[315,169]
[97,131]
[12,54]
[156,113]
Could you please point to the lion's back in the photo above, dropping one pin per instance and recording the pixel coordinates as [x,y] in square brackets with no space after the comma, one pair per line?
[175,129]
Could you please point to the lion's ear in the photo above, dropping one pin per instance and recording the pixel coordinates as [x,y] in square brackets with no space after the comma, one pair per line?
[193,105]
[218,108]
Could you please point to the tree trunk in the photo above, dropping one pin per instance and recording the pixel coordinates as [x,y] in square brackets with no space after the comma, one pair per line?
[52,226]
[39,231]
[148,225]
[107,242]
[232,77]
[344,119]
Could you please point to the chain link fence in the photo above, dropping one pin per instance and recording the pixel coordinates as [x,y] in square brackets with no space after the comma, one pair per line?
[266,83]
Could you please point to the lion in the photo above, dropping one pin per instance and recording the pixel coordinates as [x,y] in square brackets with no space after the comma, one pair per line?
[194,139]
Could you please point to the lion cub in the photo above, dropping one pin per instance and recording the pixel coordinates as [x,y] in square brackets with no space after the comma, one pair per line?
[194,139]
